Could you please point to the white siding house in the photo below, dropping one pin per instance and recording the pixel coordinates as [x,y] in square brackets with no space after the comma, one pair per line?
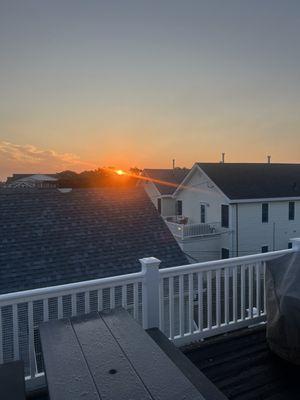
[160,187]
[32,181]
[230,210]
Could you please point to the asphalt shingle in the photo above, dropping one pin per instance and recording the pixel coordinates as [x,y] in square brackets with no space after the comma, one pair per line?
[51,238]
[254,181]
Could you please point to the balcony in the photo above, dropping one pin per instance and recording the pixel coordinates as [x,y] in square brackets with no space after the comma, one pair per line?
[182,229]
[187,303]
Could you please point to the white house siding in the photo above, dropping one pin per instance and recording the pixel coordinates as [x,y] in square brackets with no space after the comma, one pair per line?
[253,234]
[202,249]
[202,191]
[167,203]
[167,206]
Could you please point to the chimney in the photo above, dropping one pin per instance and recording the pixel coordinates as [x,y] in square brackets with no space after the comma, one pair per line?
[223,158]
[269,159]
[173,163]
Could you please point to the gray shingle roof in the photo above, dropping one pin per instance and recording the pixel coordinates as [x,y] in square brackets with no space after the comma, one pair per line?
[252,181]
[173,176]
[50,238]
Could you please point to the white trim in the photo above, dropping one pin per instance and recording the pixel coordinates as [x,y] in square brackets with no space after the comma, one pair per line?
[263,200]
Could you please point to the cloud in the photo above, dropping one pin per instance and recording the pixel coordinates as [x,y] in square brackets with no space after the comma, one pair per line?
[15,158]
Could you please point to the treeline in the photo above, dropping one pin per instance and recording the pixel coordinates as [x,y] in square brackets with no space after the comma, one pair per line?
[101,177]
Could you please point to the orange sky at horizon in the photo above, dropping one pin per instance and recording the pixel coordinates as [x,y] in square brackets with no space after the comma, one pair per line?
[139,83]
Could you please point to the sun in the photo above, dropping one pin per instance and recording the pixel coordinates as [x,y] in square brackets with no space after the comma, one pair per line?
[120,172]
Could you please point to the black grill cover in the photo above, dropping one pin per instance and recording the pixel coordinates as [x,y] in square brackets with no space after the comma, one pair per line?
[283,306]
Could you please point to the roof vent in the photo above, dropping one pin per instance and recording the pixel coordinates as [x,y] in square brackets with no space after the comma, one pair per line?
[65,190]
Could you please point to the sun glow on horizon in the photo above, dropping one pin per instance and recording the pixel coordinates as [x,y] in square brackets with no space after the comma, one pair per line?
[120,172]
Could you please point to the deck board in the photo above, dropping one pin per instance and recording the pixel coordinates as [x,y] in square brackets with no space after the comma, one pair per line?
[242,366]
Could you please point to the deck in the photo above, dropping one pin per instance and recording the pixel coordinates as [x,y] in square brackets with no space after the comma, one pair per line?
[241,365]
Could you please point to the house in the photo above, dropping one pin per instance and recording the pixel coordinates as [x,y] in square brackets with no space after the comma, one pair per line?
[53,237]
[32,181]
[160,187]
[235,209]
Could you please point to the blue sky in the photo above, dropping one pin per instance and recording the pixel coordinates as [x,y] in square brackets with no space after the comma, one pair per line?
[87,83]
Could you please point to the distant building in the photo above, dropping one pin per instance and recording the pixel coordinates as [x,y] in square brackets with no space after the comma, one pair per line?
[235,209]
[32,181]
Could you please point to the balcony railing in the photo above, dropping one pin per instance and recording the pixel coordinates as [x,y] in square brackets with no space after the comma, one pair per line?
[188,303]
[184,231]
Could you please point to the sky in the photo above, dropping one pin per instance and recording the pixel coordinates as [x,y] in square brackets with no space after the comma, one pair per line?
[88,83]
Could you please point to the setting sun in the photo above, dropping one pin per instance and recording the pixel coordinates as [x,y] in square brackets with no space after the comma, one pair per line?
[120,172]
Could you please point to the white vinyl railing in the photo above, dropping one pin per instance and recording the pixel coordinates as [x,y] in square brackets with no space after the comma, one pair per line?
[22,312]
[187,303]
[205,299]
[184,231]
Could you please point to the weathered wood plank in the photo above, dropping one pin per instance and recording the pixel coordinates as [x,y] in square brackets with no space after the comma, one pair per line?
[158,373]
[67,373]
[112,373]
[199,380]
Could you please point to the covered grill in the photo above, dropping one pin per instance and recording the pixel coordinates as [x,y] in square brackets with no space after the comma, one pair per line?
[283,306]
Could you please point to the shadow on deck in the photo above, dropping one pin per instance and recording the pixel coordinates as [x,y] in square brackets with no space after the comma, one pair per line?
[242,366]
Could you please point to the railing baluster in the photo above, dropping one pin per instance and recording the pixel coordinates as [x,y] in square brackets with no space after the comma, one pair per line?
[74,304]
[250,280]
[191,305]
[86,302]
[15,332]
[209,298]
[258,283]
[161,306]
[218,297]
[234,290]
[59,307]
[135,301]
[171,306]
[100,299]
[226,290]
[181,306]
[243,292]
[112,298]
[45,310]
[265,294]
[32,361]
[200,301]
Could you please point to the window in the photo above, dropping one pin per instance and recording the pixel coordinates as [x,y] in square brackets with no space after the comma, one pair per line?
[225,216]
[265,249]
[290,245]
[179,207]
[265,212]
[202,214]
[159,205]
[291,210]
[225,253]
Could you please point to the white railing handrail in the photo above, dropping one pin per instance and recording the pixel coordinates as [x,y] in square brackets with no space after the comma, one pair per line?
[69,288]
[219,264]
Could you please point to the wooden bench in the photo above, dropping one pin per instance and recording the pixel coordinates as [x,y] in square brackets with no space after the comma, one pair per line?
[12,384]
[109,356]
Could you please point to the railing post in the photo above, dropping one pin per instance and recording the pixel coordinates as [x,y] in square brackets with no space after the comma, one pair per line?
[295,243]
[150,294]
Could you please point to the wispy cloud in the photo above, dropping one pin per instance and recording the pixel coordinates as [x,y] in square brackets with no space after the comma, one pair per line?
[29,158]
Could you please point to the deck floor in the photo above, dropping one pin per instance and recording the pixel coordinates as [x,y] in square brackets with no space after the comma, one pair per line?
[241,365]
